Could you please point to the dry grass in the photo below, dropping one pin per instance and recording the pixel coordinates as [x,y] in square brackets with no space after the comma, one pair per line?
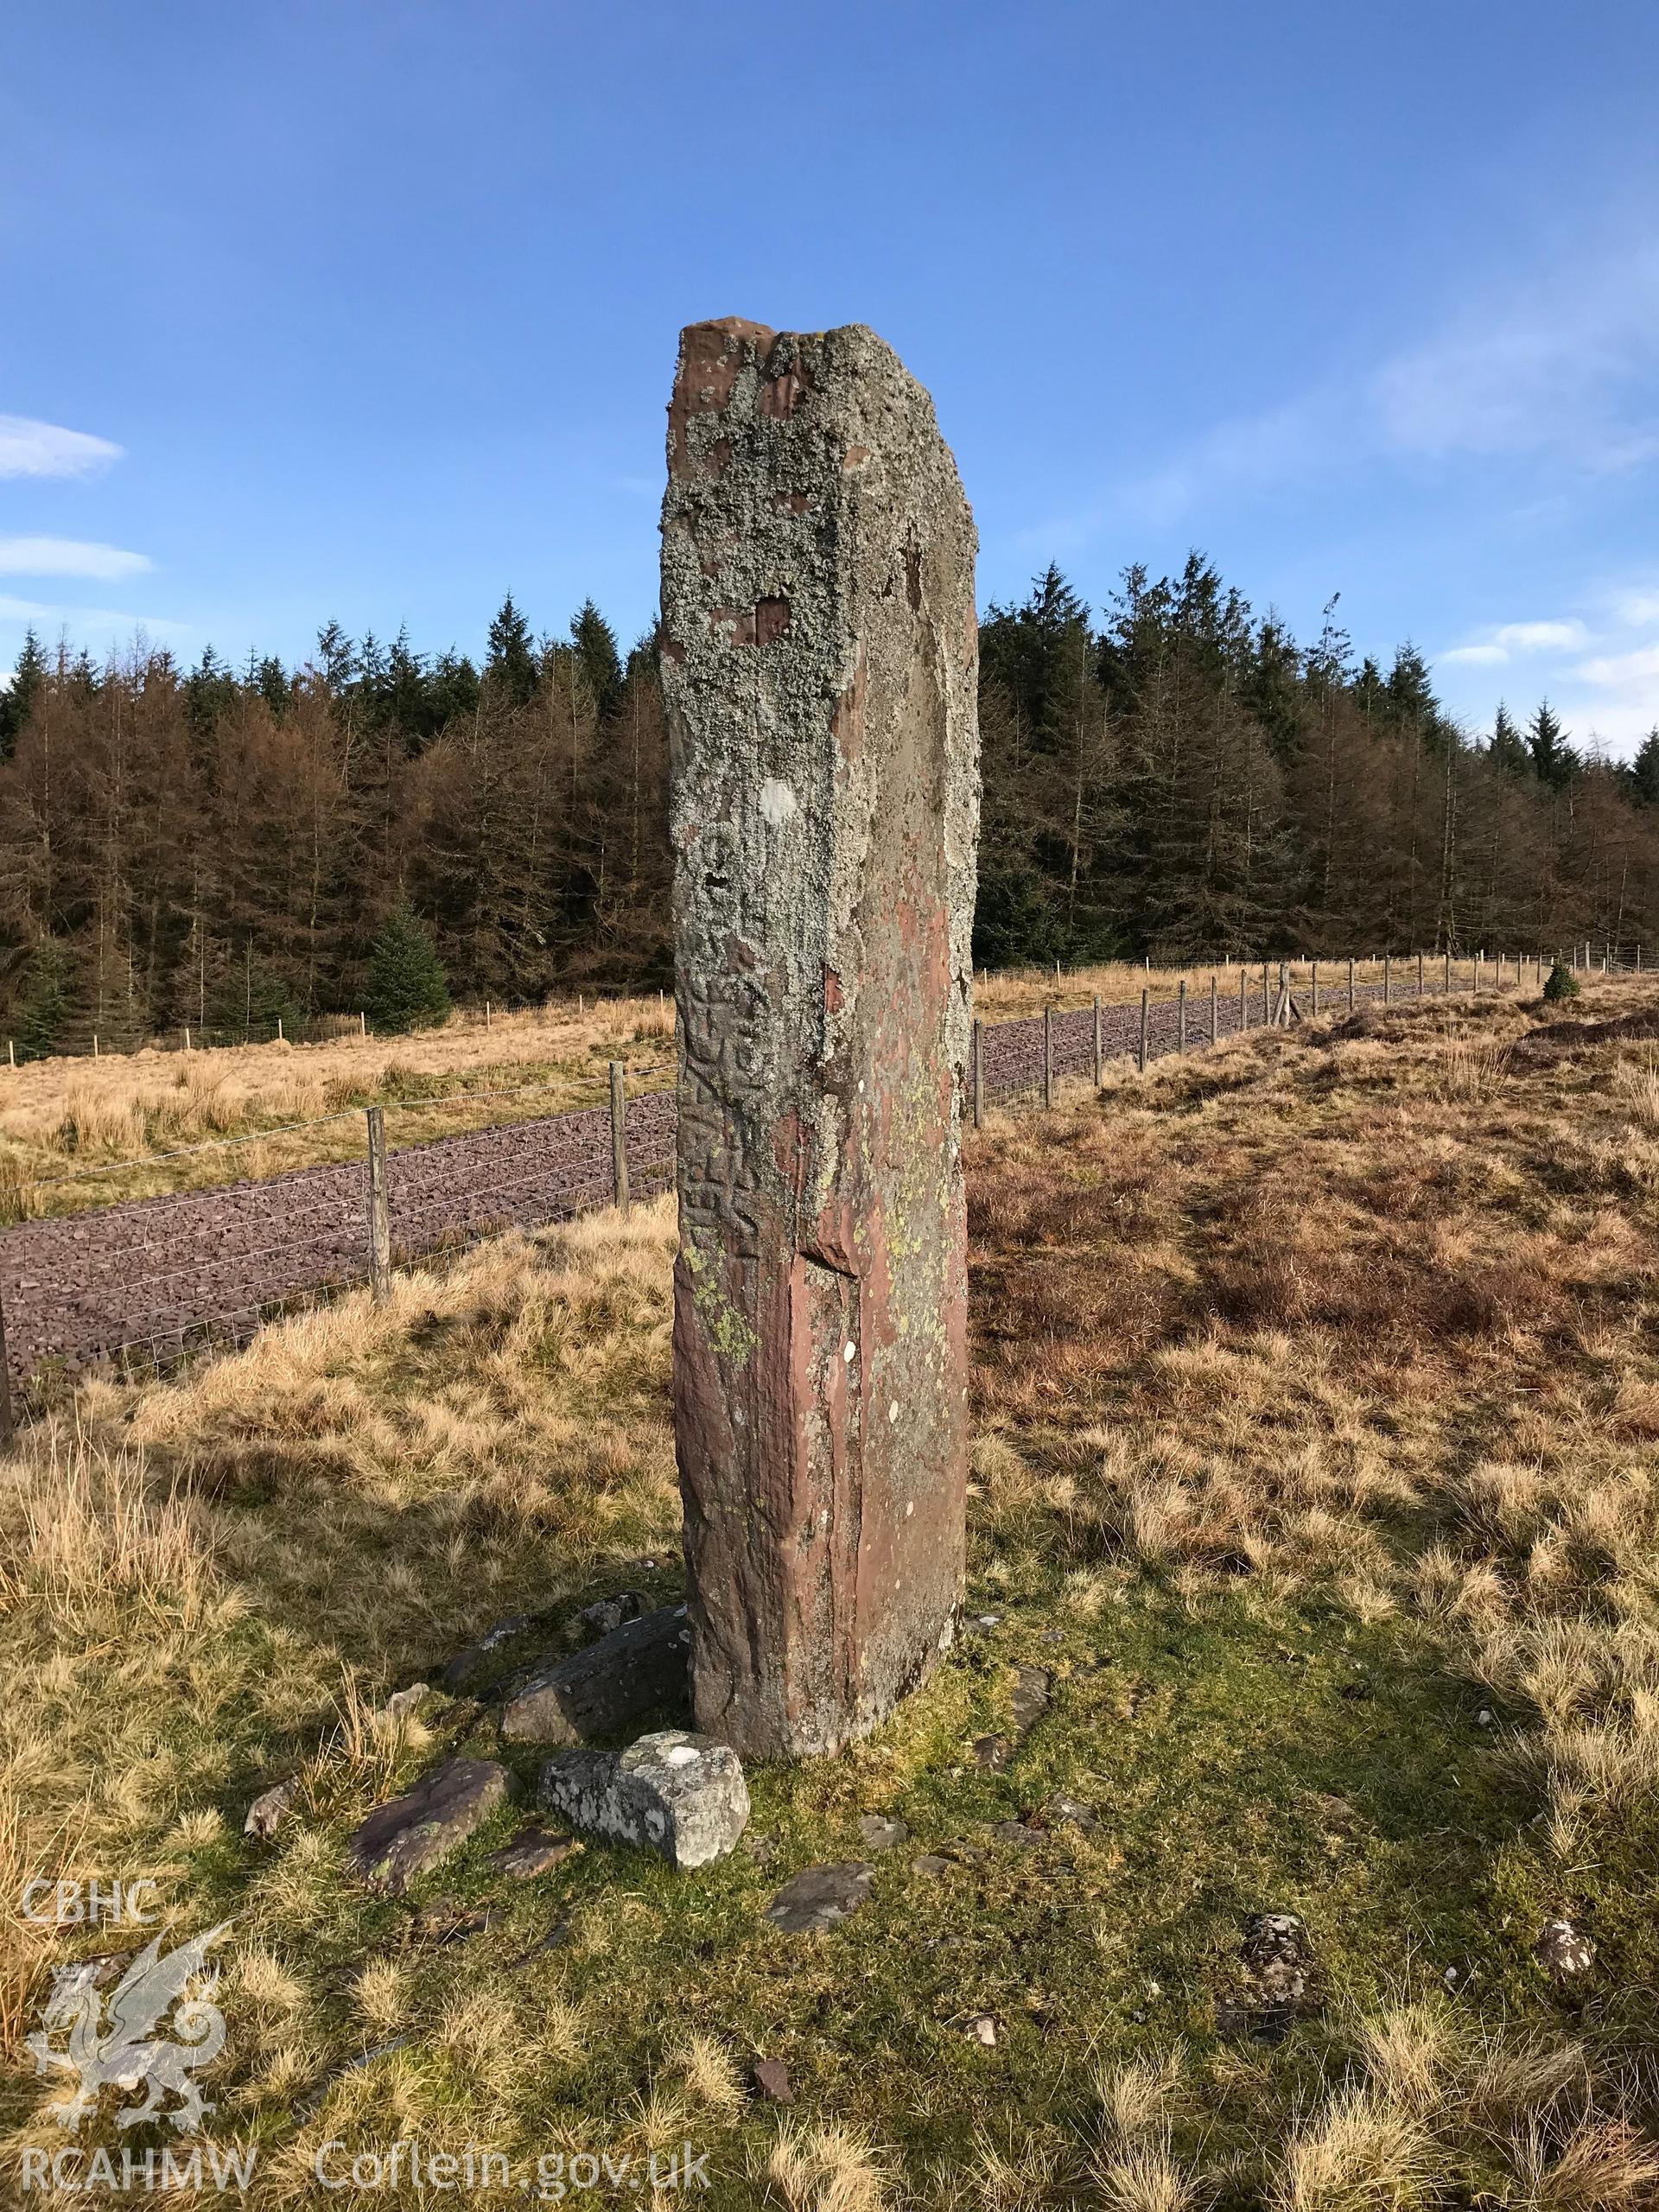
[1318,1459]
[1012,992]
[58,1117]
[120,1114]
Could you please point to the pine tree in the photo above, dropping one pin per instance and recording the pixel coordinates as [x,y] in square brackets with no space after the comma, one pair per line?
[511,663]
[336,657]
[1555,762]
[1643,776]
[19,696]
[44,1007]
[1508,749]
[407,987]
[595,644]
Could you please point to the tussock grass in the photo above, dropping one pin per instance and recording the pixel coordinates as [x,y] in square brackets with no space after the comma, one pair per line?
[120,1112]
[1316,1400]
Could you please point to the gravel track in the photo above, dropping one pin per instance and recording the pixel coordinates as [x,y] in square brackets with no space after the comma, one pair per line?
[162,1272]
[165,1272]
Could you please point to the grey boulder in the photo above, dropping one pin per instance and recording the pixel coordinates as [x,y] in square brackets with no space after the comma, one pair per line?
[680,1794]
[636,1673]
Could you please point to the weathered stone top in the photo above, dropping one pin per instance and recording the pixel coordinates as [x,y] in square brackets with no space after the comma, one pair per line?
[814,519]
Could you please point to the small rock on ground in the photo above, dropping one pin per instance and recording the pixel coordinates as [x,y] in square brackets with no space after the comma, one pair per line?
[266,1812]
[1277,1956]
[1276,1950]
[1031,1687]
[821,1898]
[532,1852]
[607,1613]
[771,2078]
[993,1752]
[1071,1810]
[400,1840]
[931,1865]
[982,2029]
[880,1832]
[629,1679]
[1016,1832]
[1563,1952]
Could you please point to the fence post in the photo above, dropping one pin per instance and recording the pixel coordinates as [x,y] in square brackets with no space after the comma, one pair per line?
[363,1025]
[1048,1056]
[1351,983]
[1387,979]
[1448,971]
[486,1013]
[1243,1002]
[1419,974]
[619,1135]
[379,1213]
[1314,986]
[7,1428]
[1099,1058]
[1180,1015]
[94,1044]
[979,1069]
[187,1036]
[1146,1000]
[1215,994]
[1267,994]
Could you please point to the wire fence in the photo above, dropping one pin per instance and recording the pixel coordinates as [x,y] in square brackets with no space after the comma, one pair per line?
[147,1284]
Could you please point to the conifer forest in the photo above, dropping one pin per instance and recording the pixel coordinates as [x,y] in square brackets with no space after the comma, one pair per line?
[1173,774]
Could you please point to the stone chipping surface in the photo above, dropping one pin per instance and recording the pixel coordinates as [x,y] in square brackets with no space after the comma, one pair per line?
[819,660]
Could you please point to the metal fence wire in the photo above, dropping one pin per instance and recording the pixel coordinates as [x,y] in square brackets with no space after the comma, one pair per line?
[151,1282]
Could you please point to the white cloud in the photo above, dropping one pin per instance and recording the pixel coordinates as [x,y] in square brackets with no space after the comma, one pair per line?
[1621,669]
[67,557]
[1540,637]
[1514,640]
[1559,364]
[41,614]
[1563,365]
[29,448]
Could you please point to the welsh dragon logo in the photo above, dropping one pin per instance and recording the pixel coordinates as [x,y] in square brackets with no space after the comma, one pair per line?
[122,2051]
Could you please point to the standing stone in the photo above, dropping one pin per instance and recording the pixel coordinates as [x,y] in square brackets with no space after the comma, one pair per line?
[819,658]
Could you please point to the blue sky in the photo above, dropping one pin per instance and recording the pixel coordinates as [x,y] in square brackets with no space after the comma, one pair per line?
[369,309]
